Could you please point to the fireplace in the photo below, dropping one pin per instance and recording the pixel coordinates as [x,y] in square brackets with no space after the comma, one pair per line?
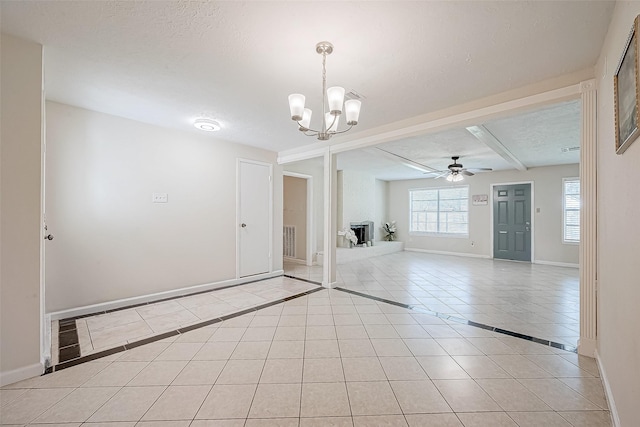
[363,230]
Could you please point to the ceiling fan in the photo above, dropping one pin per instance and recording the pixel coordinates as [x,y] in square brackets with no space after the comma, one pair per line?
[455,171]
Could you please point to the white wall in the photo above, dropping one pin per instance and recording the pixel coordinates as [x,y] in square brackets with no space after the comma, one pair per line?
[618,234]
[295,211]
[111,242]
[315,169]
[547,224]
[20,207]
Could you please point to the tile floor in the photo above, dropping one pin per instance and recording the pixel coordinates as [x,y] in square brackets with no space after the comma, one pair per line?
[324,359]
[105,331]
[542,301]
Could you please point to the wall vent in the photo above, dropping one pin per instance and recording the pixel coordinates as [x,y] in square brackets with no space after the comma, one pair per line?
[289,241]
[568,149]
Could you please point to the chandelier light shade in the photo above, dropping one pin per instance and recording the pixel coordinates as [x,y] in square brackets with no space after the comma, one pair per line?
[332,98]
[455,177]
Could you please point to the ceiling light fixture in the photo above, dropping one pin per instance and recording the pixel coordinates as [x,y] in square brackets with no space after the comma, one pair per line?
[207,125]
[454,176]
[335,97]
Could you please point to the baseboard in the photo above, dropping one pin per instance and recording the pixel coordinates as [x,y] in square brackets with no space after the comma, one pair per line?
[110,305]
[615,419]
[464,254]
[15,375]
[557,264]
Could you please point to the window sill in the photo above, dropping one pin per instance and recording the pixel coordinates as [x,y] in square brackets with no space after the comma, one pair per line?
[427,234]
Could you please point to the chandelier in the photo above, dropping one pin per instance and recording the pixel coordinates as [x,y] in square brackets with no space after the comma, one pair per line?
[335,97]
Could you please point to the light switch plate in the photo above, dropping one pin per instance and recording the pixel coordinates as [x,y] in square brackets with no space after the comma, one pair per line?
[160,198]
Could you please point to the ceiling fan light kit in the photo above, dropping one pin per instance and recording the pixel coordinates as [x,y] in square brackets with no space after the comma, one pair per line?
[332,97]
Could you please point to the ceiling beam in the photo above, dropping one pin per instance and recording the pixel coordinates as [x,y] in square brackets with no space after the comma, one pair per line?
[402,160]
[486,137]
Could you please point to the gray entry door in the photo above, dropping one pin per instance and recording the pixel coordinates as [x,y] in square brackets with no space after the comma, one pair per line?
[512,222]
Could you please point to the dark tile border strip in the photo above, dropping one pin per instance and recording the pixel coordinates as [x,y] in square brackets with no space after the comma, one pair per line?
[68,343]
[129,346]
[464,321]
[82,316]
[303,280]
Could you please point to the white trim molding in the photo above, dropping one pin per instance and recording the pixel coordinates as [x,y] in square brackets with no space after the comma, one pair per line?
[15,375]
[615,418]
[557,264]
[311,238]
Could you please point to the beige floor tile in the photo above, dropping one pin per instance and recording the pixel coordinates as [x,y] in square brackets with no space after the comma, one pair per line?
[227,401]
[442,368]
[286,350]
[241,372]
[324,400]
[158,373]
[74,376]
[441,331]
[272,422]
[219,350]
[276,401]
[199,372]
[537,419]
[372,398]
[218,423]
[326,370]
[326,422]
[557,366]
[493,419]
[224,333]
[512,396]
[380,421]
[390,347]
[180,351]
[480,367]
[458,347]
[177,403]
[159,309]
[171,321]
[282,371]
[264,321]
[251,350]
[175,423]
[8,395]
[114,336]
[320,333]
[129,404]
[466,396]
[31,404]
[321,348]
[590,388]
[519,367]
[363,369]
[402,368]
[290,333]
[588,418]
[419,397]
[116,374]
[259,334]
[356,348]
[381,331]
[425,347]
[292,320]
[351,332]
[110,424]
[433,420]
[144,353]
[78,405]
[558,395]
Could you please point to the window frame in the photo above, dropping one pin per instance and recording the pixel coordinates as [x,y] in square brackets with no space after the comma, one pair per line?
[564,211]
[464,235]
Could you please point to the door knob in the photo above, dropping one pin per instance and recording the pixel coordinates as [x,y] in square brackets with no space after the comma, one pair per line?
[48,237]
[243,225]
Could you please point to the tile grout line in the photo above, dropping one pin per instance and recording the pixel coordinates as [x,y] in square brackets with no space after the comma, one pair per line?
[463,321]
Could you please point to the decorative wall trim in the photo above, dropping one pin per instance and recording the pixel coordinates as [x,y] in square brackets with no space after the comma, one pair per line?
[615,418]
[557,264]
[143,299]
[10,377]
[464,254]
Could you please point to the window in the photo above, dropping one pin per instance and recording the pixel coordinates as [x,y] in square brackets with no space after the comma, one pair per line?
[440,210]
[571,210]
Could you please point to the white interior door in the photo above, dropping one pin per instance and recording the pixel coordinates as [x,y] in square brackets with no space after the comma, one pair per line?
[254,218]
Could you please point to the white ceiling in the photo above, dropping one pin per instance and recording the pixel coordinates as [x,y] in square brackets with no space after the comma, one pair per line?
[166,63]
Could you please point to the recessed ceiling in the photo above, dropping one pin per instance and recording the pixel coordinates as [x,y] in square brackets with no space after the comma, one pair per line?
[168,62]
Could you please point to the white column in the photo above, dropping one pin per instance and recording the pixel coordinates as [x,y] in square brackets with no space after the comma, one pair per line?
[588,210]
[330,217]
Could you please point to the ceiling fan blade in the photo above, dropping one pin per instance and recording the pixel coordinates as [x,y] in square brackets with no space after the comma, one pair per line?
[466,172]
[442,174]
[481,169]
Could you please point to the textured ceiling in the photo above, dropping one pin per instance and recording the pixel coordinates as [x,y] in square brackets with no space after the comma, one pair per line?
[166,63]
